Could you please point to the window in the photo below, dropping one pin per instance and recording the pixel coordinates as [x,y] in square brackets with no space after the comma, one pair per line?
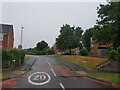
[1,36]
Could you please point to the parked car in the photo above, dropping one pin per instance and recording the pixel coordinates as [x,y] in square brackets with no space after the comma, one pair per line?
[59,53]
[65,53]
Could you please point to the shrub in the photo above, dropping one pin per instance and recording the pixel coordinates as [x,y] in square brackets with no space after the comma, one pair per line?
[112,55]
[83,52]
[13,54]
[50,52]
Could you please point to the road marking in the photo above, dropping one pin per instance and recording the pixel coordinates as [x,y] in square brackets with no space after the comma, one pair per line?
[62,86]
[53,72]
[41,78]
[49,64]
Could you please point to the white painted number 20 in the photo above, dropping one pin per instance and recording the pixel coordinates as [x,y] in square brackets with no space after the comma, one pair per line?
[39,77]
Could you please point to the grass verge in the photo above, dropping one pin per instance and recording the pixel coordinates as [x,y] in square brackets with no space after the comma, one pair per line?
[91,62]
[111,77]
[27,58]
[5,75]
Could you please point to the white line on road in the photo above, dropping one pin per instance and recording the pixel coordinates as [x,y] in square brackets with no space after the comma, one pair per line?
[53,72]
[49,64]
[62,86]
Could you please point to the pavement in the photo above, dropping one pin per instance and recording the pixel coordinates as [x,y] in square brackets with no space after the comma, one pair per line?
[21,69]
[52,72]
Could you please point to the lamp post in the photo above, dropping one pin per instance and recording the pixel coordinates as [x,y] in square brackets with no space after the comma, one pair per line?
[20,46]
[21,34]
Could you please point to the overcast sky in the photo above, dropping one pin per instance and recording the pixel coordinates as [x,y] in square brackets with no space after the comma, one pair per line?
[42,21]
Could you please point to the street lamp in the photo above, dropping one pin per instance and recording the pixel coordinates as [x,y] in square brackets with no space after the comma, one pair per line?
[21,34]
[20,46]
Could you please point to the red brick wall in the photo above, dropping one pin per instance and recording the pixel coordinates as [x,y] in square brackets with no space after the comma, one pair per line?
[94,49]
[8,41]
[0,43]
[4,42]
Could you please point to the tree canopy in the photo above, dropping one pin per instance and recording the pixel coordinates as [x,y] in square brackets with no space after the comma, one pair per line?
[69,37]
[107,29]
[86,38]
[42,45]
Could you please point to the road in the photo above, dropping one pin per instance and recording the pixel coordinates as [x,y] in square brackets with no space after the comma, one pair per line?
[48,72]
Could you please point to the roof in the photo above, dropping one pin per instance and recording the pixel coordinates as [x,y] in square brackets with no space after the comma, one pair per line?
[5,28]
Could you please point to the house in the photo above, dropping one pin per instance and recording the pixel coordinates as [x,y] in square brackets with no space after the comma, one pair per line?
[6,36]
[98,50]
[58,51]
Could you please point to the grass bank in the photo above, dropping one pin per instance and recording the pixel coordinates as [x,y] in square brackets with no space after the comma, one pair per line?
[27,58]
[84,61]
[111,77]
[92,62]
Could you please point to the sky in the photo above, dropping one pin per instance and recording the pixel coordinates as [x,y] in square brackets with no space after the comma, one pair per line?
[42,20]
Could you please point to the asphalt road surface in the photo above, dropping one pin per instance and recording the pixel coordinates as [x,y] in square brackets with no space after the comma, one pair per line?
[48,72]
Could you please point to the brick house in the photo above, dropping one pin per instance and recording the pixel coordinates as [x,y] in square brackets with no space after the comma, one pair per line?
[6,36]
[98,50]
[73,51]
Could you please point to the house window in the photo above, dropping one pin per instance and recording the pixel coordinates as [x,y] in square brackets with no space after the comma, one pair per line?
[1,36]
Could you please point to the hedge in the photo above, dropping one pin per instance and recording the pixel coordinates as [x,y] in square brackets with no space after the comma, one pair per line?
[9,55]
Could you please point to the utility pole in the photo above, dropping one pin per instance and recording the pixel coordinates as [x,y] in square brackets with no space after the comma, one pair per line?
[20,46]
[21,34]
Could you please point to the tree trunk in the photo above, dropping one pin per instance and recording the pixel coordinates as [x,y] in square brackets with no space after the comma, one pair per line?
[119,56]
[70,51]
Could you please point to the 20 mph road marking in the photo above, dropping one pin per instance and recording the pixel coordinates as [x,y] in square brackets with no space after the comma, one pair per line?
[39,78]
[62,86]
[53,72]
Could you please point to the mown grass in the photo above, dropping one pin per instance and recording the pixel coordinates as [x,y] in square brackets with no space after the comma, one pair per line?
[111,77]
[92,62]
[27,58]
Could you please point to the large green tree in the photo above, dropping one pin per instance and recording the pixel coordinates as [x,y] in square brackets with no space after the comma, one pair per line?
[108,25]
[69,37]
[42,46]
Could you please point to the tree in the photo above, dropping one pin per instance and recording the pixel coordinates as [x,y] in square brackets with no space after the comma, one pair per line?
[108,25]
[86,38]
[107,28]
[69,37]
[42,46]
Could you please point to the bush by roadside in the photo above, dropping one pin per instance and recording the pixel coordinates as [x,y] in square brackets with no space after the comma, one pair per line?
[12,58]
[112,53]
[83,52]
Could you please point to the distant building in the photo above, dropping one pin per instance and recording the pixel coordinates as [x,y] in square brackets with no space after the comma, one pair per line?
[98,50]
[56,50]
[6,36]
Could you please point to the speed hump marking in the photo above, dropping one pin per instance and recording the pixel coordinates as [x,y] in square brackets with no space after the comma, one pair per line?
[39,78]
